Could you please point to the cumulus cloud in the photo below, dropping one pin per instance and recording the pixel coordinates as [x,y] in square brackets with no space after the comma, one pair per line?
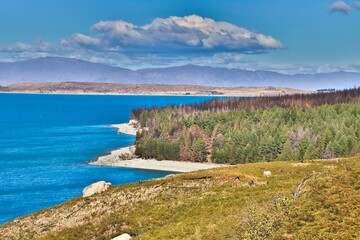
[299,68]
[176,34]
[164,41]
[238,61]
[340,7]
[85,40]
[138,61]
[18,47]
[357,65]
[356,5]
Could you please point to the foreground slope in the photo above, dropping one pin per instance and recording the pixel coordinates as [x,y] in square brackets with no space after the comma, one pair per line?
[214,204]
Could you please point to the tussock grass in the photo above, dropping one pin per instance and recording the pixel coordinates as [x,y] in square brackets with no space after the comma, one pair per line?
[213,204]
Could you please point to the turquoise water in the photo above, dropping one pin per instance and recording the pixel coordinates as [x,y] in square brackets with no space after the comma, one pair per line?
[46,140]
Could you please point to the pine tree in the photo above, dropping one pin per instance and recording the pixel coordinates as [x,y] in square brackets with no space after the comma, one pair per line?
[329,151]
[343,145]
[337,149]
[286,153]
[310,152]
[199,150]
[304,143]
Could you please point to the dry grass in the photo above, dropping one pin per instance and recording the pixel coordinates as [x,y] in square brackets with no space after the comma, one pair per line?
[213,204]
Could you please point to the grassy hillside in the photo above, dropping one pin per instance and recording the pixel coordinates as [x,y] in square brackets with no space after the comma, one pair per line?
[214,204]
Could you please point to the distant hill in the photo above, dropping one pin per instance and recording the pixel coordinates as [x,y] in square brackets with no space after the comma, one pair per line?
[163,89]
[55,69]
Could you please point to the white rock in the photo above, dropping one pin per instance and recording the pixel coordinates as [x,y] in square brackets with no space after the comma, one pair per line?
[96,188]
[133,122]
[267,173]
[123,236]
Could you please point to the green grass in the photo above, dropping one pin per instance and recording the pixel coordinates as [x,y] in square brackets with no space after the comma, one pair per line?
[216,204]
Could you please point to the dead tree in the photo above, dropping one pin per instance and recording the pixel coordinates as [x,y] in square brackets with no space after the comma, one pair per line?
[301,186]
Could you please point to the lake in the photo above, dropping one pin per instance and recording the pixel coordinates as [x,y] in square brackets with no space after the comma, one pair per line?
[47,139]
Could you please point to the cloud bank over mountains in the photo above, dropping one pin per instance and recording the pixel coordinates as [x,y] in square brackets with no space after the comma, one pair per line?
[115,42]
[172,41]
[56,69]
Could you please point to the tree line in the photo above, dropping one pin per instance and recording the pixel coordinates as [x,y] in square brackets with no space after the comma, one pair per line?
[242,130]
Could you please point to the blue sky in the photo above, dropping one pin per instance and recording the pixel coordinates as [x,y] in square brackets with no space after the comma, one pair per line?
[287,36]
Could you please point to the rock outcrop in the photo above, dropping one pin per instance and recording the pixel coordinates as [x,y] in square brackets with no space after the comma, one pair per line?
[94,188]
[124,236]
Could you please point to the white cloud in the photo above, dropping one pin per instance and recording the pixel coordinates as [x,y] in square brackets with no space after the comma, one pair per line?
[138,61]
[341,7]
[356,5]
[307,68]
[86,40]
[357,65]
[18,47]
[164,41]
[190,33]
[236,61]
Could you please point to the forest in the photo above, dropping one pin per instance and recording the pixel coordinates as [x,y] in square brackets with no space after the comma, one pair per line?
[243,130]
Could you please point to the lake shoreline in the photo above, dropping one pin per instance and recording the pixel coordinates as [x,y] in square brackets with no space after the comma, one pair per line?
[115,157]
[134,94]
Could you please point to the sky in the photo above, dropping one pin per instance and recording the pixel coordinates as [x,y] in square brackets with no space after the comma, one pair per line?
[289,36]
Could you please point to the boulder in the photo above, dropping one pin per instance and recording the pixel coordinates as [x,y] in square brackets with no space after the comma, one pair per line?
[267,173]
[94,188]
[123,236]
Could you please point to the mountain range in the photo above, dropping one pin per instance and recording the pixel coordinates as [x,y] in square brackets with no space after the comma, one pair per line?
[56,69]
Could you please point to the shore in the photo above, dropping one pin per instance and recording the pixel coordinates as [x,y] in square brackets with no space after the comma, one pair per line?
[162,94]
[163,165]
[126,128]
[87,88]
[115,158]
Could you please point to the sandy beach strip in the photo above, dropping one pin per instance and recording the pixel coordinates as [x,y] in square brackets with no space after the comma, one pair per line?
[163,165]
[126,128]
[115,157]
